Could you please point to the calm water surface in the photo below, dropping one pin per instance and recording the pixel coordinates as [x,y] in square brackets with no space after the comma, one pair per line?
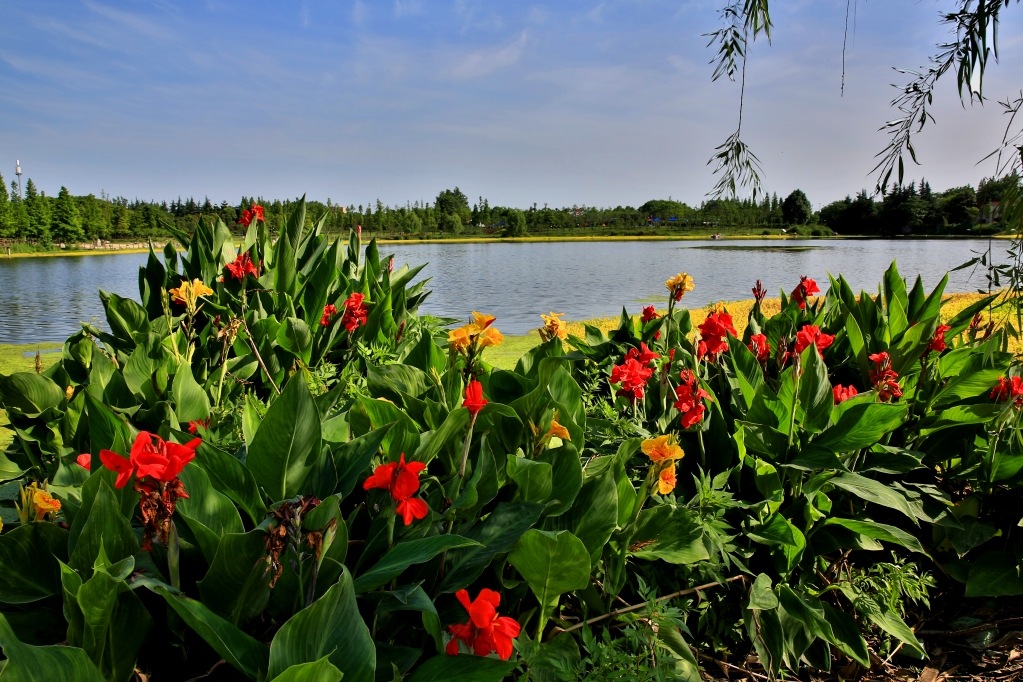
[44,299]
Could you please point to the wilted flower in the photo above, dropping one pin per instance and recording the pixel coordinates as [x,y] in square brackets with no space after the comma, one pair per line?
[486,631]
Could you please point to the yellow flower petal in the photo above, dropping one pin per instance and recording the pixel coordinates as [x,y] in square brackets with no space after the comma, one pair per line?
[490,337]
[558,430]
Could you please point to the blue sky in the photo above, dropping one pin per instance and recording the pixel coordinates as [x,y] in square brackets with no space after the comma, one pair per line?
[560,102]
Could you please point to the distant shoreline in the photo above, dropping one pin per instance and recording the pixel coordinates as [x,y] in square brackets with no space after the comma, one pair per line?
[137,247]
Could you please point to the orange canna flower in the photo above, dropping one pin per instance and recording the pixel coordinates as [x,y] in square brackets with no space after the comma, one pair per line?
[189,293]
[44,503]
[666,479]
[662,449]
[490,337]
[459,339]
[481,320]
[558,430]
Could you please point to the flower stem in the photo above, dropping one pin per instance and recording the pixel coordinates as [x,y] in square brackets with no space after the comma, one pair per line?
[174,556]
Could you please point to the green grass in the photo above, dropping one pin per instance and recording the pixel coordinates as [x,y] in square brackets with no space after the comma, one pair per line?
[21,358]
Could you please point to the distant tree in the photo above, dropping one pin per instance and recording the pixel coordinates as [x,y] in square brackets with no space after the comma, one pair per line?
[516,224]
[959,208]
[66,223]
[18,214]
[665,209]
[454,201]
[992,189]
[6,227]
[796,209]
[94,224]
[450,222]
[38,208]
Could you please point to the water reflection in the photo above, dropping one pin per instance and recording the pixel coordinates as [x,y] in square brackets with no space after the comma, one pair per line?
[44,299]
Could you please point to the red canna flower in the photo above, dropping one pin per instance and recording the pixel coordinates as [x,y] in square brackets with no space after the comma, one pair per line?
[474,400]
[806,287]
[329,311]
[486,631]
[84,460]
[643,355]
[156,465]
[248,215]
[760,347]
[257,213]
[811,335]
[1008,388]
[196,424]
[689,398]
[884,377]
[632,375]
[242,265]
[648,314]
[355,312]
[938,340]
[843,393]
[714,333]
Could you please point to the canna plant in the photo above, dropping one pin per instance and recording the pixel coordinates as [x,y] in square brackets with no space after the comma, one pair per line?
[271,467]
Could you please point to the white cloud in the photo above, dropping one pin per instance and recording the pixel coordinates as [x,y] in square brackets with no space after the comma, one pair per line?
[479,63]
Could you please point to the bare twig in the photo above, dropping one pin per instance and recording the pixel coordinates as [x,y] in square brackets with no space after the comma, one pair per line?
[636,607]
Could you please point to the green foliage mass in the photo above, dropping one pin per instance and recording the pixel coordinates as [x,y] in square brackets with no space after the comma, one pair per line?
[369,495]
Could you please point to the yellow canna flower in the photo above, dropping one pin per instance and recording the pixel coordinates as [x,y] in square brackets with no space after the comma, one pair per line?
[554,327]
[662,449]
[679,285]
[481,321]
[666,479]
[558,430]
[189,293]
[490,337]
[460,338]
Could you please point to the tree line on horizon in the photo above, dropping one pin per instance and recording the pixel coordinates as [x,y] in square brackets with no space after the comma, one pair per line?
[915,208]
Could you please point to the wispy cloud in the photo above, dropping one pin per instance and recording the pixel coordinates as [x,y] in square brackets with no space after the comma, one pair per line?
[484,62]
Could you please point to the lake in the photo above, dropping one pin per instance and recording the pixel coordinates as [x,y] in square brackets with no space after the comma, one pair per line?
[43,299]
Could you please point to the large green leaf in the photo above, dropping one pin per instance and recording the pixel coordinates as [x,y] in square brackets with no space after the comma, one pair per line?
[237,584]
[533,479]
[29,555]
[286,449]
[462,668]
[594,514]
[29,393]
[497,533]
[321,670]
[208,513]
[294,336]
[406,554]
[26,663]
[353,458]
[860,425]
[552,563]
[331,626]
[874,491]
[105,528]
[672,535]
[240,650]
[995,574]
[232,478]
[879,531]
[190,400]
